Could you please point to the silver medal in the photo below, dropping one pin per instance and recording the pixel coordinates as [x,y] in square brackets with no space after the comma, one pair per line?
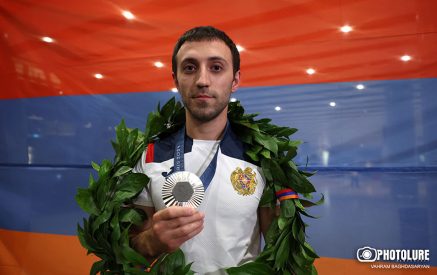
[183,189]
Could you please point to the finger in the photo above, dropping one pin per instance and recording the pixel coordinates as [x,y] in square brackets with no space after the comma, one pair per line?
[176,243]
[181,221]
[173,212]
[162,226]
[185,230]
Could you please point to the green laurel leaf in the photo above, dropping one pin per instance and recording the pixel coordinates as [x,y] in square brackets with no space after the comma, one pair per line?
[84,198]
[267,142]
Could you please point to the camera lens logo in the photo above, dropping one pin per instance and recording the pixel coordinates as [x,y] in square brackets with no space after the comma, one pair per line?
[366,254]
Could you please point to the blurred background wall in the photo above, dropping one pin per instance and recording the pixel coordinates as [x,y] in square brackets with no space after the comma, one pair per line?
[357,78]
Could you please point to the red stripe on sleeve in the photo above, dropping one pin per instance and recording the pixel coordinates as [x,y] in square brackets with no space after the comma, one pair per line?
[150,152]
[284,191]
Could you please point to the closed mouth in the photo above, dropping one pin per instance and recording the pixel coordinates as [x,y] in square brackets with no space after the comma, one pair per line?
[203,96]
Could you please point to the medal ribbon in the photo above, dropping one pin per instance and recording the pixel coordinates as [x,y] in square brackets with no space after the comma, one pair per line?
[208,174]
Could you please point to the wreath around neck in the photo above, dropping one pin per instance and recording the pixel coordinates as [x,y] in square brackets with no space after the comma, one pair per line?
[109,199]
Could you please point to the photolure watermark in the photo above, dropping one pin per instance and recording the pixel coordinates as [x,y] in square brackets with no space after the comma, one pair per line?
[399,266]
[401,258]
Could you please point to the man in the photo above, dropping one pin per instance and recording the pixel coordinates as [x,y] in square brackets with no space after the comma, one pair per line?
[225,229]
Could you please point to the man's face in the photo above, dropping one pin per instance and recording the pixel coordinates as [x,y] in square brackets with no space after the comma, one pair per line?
[205,78]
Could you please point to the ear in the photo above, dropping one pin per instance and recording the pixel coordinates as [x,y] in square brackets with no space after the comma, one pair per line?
[175,80]
[236,82]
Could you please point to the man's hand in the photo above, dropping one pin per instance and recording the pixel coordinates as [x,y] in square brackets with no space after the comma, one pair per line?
[166,230]
[175,225]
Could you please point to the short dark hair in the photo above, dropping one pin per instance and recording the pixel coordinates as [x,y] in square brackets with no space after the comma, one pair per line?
[206,33]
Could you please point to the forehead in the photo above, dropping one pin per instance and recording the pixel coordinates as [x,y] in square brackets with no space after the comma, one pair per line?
[203,50]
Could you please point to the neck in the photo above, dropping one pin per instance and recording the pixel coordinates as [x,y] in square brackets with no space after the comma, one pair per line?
[209,130]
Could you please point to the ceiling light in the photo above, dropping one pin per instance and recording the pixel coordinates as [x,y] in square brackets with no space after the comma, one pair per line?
[158,64]
[47,39]
[174,90]
[346,29]
[240,49]
[98,76]
[233,99]
[360,87]
[332,104]
[128,15]
[310,71]
[406,58]
[277,108]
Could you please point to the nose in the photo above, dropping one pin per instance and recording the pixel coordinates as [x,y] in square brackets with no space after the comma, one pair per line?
[203,78]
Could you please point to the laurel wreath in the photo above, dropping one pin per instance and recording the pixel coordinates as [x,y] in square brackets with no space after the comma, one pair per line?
[109,199]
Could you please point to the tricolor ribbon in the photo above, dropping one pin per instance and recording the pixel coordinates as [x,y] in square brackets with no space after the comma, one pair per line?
[286,194]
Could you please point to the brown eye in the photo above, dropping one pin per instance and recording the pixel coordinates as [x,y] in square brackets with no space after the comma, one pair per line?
[216,68]
[189,68]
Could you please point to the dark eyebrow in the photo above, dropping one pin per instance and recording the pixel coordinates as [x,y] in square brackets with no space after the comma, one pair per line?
[189,60]
[217,58]
[212,58]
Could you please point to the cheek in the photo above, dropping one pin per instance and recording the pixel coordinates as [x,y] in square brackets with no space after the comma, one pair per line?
[185,82]
[225,82]
[182,86]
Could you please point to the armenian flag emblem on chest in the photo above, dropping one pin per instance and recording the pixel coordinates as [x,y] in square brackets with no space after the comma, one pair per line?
[244,182]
